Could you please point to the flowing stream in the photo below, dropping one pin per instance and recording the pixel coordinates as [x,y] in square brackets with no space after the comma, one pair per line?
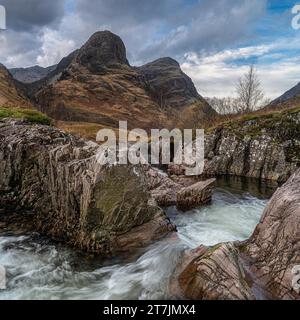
[40,269]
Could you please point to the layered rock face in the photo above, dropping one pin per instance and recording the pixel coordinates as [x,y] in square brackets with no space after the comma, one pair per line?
[195,195]
[174,91]
[212,274]
[103,50]
[264,147]
[96,85]
[184,192]
[10,94]
[274,248]
[261,267]
[57,177]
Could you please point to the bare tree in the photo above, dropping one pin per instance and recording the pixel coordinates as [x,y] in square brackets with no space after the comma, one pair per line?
[225,105]
[250,94]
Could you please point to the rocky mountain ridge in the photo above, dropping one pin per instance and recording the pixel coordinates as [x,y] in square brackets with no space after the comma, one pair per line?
[290,94]
[31,74]
[96,85]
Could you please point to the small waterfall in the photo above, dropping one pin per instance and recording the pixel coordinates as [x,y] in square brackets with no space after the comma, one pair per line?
[39,269]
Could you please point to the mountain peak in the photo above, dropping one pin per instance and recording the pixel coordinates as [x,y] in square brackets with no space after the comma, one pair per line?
[166,61]
[103,49]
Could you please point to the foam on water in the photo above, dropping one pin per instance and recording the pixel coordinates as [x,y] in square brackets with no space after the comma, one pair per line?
[37,269]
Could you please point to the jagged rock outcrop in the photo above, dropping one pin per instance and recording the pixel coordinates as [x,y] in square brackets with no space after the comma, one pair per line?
[163,189]
[103,50]
[195,195]
[56,176]
[10,93]
[212,274]
[259,268]
[96,85]
[263,146]
[274,248]
[184,192]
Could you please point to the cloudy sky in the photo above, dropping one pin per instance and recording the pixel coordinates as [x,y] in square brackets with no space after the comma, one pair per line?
[214,41]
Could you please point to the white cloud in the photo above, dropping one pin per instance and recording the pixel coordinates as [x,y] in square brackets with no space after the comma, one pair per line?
[217,74]
[54,48]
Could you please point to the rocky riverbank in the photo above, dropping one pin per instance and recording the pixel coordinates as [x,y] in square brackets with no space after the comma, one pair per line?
[75,200]
[56,178]
[266,147]
[259,268]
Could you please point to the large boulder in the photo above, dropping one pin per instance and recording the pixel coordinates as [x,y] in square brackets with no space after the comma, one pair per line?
[102,209]
[263,267]
[183,191]
[212,274]
[273,251]
[195,195]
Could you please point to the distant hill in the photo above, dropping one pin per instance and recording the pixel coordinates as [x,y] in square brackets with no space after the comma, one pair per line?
[289,99]
[32,74]
[290,94]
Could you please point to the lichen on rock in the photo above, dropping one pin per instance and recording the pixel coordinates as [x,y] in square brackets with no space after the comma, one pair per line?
[96,208]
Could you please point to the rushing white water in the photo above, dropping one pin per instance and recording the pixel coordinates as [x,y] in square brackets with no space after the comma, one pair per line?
[37,269]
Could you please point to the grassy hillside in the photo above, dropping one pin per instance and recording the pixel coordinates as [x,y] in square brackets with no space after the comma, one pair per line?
[29,115]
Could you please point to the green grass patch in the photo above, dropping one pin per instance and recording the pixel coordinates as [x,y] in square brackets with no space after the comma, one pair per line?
[29,115]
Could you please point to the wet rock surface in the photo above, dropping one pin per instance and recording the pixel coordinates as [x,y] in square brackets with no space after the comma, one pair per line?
[56,176]
[259,268]
[212,274]
[195,195]
[184,192]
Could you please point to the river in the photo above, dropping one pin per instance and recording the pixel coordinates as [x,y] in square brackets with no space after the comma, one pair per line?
[40,269]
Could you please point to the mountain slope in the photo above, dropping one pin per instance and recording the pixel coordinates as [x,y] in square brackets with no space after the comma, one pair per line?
[290,94]
[289,99]
[96,84]
[10,92]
